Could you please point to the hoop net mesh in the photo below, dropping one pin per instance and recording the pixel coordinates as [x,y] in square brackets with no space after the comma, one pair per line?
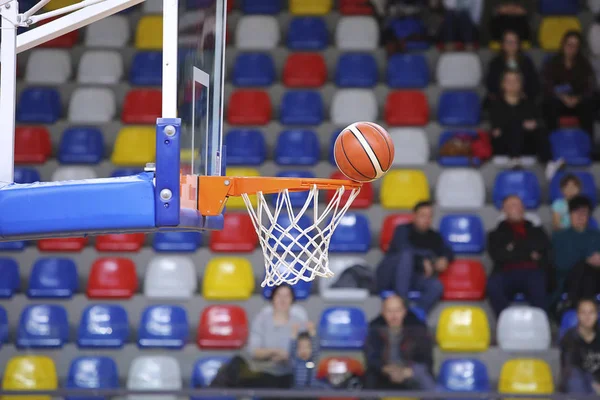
[296,248]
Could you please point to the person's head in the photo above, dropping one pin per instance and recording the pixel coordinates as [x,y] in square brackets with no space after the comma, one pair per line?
[282,298]
[570,186]
[571,45]
[511,44]
[304,346]
[394,310]
[512,83]
[513,208]
[580,208]
[587,314]
[423,215]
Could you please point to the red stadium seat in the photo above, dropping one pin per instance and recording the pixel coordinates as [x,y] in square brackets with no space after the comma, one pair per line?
[237,236]
[222,327]
[354,366]
[406,108]
[67,40]
[568,122]
[249,107]
[74,245]
[32,145]
[389,225]
[112,278]
[464,280]
[120,242]
[142,106]
[355,7]
[306,70]
[364,198]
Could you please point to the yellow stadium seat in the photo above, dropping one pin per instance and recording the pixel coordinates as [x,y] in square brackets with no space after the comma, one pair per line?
[404,188]
[526,45]
[526,376]
[148,35]
[236,203]
[553,29]
[135,146]
[463,328]
[228,278]
[29,373]
[56,4]
[310,7]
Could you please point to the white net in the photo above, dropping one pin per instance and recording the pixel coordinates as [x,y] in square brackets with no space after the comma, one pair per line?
[296,248]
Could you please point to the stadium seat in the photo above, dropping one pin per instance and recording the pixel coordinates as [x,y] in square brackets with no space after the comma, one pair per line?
[354,7]
[29,372]
[593,39]
[100,67]
[16,245]
[459,108]
[3,326]
[146,69]
[257,32]
[523,328]
[261,6]
[113,32]
[38,106]
[559,7]
[593,6]
[203,373]
[464,280]
[525,376]
[337,265]
[249,107]
[81,146]
[163,326]
[586,178]
[307,34]
[351,105]
[253,69]
[297,199]
[356,70]
[342,328]
[237,203]
[142,106]
[406,108]
[178,242]
[301,289]
[157,372]
[407,28]
[364,198]
[103,326]
[68,40]
[411,146]
[222,327]
[352,235]
[53,278]
[148,33]
[310,7]
[32,145]
[352,365]
[26,175]
[112,278]
[463,329]
[228,278]
[521,183]
[43,326]
[297,147]
[62,245]
[284,222]
[304,70]
[568,321]
[574,146]
[552,30]
[48,67]
[458,70]
[464,233]
[11,280]
[135,146]
[245,147]
[301,107]
[92,106]
[120,242]
[403,189]
[457,161]
[73,173]
[357,33]
[170,277]
[92,372]
[238,235]
[389,225]
[460,188]
[464,375]
[407,71]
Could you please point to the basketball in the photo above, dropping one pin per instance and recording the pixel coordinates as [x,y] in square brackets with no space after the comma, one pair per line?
[364,151]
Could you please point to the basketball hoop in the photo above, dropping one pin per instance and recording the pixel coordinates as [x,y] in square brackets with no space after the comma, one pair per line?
[294,247]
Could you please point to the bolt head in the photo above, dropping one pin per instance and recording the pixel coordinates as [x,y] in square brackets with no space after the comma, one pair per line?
[166,194]
[226,183]
[170,130]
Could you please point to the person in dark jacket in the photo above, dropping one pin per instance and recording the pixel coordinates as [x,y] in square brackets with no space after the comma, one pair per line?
[521,256]
[398,349]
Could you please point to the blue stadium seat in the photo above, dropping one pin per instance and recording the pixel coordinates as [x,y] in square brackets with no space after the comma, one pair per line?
[163,326]
[53,277]
[284,221]
[464,375]
[568,321]
[307,33]
[334,136]
[117,173]
[178,242]
[3,326]
[39,105]
[146,69]
[352,235]
[204,372]
[81,146]
[26,175]
[342,328]
[301,107]
[457,161]
[245,147]
[261,6]
[459,108]
[464,233]
[407,71]
[559,7]
[92,372]
[296,198]
[521,183]
[103,326]
[17,245]
[11,281]
[43,326]
[253,69]
[573,145]
[297,147]
[405,27]
[356,70]
[301,290]
[587,182]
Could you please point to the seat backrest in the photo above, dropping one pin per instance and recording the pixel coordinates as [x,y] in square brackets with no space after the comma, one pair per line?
[559,7]
[32,145]
[53,277]
[291,235]
[238,234]
[464,233]
[39,105]
[228,278]
[342,328]
[301,289]
[142,106]
[135,146]
[11,280]
[352,235]
[568,321]
[146,69]
[261,6]
[524,184]
[552,30]
[113,31]
[245,147]
[249,107]
[29,372]
[464,375]
[120,242]
[464,280]
[459,70]
[588,185]
[593,38]
[311,7]
[406,108]
[257,32]
[523,328]
[103,326]
[93,373]
[463,328]
[326,364]
[148,32]
[307,33]
[527,376]
[304,70]
[205,370]
[460,188]
[402,189]
[357,33]
[26,175]
[81,145]
[459,108]
[43,326]
[48,66]
[178,242]
[356,70]
[301,107]
[351,105]
[411,146]
[574,146]
[170,277]
[163,326]
[155,372]
[389,225]
[407,71]
[222,327]
[253,69]
[92,106]
[297,147]
[112,277]
[100,67]
[73,173]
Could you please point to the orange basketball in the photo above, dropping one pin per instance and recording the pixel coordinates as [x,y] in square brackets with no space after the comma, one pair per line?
[364,151]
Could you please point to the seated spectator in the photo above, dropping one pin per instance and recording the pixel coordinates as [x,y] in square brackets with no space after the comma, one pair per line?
[398,350]
[460,22]
[580,352]
[569,83]
[416,255]
[520,252]
[510,15]
[570,186]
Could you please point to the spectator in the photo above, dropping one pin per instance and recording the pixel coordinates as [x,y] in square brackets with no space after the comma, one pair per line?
[416,255]
[398,350]
[305,355]
[460,22]
[580,352]
[569,83]
[510,15]
[520,252]
[570,186]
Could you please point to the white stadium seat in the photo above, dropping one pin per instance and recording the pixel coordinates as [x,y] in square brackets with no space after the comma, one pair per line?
[339,264]
[458,70]
[352,105]
[357,33]
[172,277]
[460,188]
[113,31]
[594,38]
[49,66]
[73,173]
[594,6]
[92,105]
[154,373]
[523,328]
[257,32]
[411,146]
[102,67]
